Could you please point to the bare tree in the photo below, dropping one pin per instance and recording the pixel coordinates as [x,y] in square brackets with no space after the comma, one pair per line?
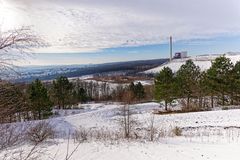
[13,104]
[127,122]
[11,135]
[152,129]
[14,44]
[40,132]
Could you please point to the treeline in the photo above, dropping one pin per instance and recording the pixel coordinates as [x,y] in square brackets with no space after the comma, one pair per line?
[219,85]
[23,102]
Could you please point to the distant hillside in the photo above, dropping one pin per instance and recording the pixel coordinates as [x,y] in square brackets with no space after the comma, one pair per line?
[29,74]
[203,61]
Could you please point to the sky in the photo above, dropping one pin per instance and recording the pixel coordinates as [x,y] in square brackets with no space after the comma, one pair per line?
[99,31]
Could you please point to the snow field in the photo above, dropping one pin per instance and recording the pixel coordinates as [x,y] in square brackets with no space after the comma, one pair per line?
[213,135]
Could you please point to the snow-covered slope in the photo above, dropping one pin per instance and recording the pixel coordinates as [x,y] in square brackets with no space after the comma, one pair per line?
[203,61]
[106,115]
[212,135]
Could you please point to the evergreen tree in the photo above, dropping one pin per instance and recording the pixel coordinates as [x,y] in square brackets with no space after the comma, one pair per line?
[137,90]
[235,83]
[132,87]
[188,81]
[164,86]
[219,76]
[204,90]
[62,89]
[79,95]
[40,101]
[82,95]
[74,98]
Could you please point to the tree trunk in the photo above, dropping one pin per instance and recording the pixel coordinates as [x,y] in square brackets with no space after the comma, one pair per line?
[212,101]
[125,120]
[204,102]
[63,103]
[10,118]
[128,123]
[188,102]
[59,105]
[166,105]
[232,97]
[200,102]
[223,103]
[19,117]
[39,114]
[28,117]
[237,99]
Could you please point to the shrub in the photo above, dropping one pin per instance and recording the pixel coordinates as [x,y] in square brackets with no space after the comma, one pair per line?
[225,108]
[80,135]
[11,135]
[177,131]
[40,132]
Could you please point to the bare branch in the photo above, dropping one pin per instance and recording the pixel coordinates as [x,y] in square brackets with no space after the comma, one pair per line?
[14,45]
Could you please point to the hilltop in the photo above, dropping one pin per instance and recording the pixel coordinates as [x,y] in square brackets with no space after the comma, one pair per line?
[203,61]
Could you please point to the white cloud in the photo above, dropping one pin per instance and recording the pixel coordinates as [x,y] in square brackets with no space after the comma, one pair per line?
[89,25]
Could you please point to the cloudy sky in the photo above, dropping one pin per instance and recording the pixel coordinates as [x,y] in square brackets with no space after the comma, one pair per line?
[97,31]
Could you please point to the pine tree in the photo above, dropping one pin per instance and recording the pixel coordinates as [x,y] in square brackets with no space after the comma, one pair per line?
[188,81]
[137,90]
[235,82]
[40,101]
[204,90]
[132,87]
[62,89]
[164,86]
[82,95]
[79,94]
[219,76]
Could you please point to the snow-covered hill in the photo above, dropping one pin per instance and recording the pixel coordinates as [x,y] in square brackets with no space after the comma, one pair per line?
[212,135]
[203,61]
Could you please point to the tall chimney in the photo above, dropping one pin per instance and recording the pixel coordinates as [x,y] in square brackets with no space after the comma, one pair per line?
[170,48]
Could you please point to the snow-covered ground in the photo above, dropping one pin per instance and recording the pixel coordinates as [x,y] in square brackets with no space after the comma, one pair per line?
[213,135]
[170,150]
[106,115]
[203,61]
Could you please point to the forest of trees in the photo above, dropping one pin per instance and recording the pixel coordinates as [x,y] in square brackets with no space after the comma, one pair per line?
[22,102]
[219,85]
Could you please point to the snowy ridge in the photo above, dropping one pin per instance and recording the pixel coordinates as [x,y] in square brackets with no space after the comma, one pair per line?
[203,61]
